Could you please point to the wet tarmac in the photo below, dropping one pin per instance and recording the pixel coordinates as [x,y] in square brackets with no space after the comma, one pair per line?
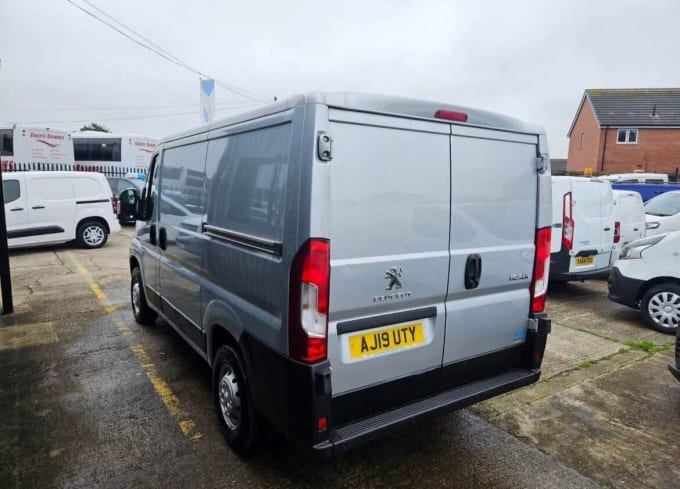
[91,399]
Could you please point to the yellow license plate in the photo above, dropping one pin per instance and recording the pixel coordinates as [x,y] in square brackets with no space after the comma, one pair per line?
[582,261]
[381,340]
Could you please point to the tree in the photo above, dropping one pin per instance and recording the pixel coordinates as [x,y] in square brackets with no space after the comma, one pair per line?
[95,127]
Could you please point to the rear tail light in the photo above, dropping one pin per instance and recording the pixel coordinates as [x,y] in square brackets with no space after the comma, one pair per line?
[539,282]
[617,232]
[308,309]
[114,205]
[567,221]
[451,115]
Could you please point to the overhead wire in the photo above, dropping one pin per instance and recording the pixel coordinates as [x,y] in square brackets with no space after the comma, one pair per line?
[156,49]
[225,105]
[110,119]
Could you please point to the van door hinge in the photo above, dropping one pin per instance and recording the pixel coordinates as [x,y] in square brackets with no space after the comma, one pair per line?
[324,146]
[542,162]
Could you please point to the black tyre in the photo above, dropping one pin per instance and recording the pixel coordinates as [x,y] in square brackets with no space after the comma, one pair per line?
[92,234]
[141,310]
[660,306]
[231,391]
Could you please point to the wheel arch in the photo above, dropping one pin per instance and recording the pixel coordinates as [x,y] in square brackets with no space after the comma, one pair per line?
[653,283]
[98,219]
[222,326]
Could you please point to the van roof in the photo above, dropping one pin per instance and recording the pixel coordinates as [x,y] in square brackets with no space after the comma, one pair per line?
[372,103]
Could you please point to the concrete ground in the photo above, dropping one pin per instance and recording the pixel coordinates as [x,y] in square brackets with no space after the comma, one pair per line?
[90,399]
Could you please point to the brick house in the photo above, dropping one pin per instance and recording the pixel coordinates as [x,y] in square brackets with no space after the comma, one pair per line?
[626,130]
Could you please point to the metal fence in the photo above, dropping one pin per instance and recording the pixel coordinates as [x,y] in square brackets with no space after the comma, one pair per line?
[109,171]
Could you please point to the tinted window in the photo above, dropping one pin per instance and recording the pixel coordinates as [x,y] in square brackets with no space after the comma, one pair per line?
[6,142]
[654,180]
[667,204]
[621,137]
[10,189]
[101,149]
[183,178]
[247,181]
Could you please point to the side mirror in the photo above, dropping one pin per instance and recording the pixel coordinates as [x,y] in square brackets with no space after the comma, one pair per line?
[129,201]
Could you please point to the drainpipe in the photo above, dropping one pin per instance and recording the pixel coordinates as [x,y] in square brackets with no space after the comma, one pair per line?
[604,150]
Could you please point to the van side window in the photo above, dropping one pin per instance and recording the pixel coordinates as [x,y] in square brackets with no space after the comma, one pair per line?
[6,142]
[11,190]
[247,176]
[149,193]
[183,180]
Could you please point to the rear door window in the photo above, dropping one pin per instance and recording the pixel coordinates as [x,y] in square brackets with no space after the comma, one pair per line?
[247,176]
[11,190]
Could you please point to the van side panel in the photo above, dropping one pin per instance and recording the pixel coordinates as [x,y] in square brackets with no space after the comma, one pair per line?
[493,218]
[251,226]
[389,187]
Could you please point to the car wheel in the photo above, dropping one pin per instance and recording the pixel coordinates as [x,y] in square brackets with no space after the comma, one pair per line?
[231,391]
[92,234]
[660,306]
[140,309]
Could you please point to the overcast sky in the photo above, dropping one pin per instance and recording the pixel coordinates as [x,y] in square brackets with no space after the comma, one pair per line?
[528,59]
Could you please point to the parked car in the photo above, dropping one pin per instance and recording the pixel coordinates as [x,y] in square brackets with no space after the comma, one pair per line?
[583,228]
[663,213]
[323,276]
[44,208]
[647,190]
[647,277]
[629,220]
[674,366]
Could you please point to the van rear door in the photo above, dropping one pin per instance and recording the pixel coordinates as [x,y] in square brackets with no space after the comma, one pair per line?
[494,189]
[593,224]
[389,213]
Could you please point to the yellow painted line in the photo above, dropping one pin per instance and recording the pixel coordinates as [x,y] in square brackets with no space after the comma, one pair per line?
[169,399]
[26,335]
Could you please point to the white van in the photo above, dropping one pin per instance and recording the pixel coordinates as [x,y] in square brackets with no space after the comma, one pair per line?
[637,178]
[583,228]
[44,208]
[629,220]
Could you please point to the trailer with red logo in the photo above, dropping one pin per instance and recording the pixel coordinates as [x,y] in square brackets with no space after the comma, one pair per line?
[29,147]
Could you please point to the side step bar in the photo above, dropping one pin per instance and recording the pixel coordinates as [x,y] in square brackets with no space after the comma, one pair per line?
[359,432]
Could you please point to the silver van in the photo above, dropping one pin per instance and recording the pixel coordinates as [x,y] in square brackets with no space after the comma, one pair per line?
[347,263]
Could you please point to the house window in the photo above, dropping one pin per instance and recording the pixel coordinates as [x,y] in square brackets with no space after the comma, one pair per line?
[627,136]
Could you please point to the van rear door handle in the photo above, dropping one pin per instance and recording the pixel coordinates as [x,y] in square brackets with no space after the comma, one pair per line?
[152,234]
[38,207]
[16,209]
[607,229]
[163,238]
[473,271]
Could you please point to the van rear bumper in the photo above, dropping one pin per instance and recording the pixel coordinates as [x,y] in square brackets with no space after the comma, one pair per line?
[294,397]
[355,434]
[560,263]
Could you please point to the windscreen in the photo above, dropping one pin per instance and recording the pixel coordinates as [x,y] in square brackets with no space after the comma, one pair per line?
[667,204]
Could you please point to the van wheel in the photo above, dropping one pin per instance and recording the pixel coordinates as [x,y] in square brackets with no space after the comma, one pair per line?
[141,310]
[92,234]
[660,306]
[231,391]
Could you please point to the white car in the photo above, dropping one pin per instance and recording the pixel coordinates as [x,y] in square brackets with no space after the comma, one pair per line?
[647,277]
[663,213]
[45,208]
